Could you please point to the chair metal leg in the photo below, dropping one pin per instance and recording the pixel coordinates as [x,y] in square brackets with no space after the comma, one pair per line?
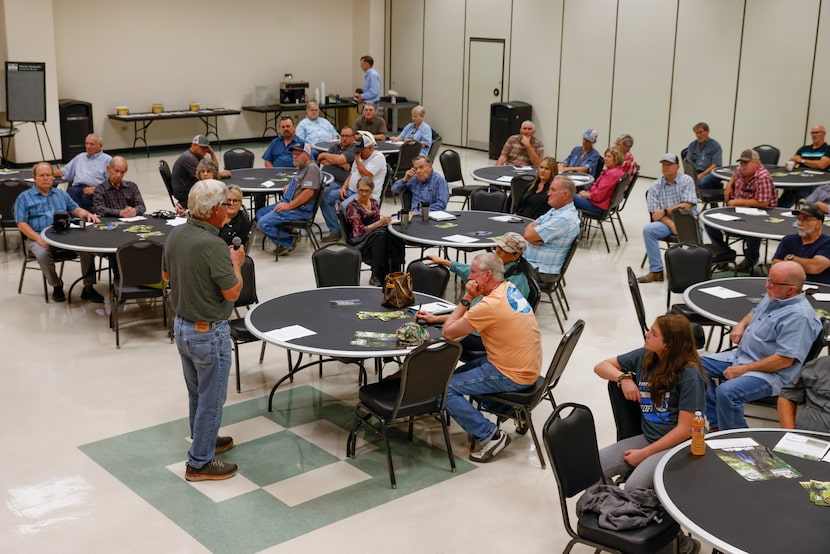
[442,417]
[389,457]
[236,359]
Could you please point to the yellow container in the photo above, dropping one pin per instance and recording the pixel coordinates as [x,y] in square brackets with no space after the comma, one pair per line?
[194,106]
[122,110]
[158,108]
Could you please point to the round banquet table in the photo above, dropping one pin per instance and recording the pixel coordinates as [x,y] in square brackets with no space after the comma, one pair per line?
[479,226]
[385,147]
[109,235]
[501,175]
[777,223]
[782,178]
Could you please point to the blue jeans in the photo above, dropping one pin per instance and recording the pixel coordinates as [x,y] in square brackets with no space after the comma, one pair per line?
[77,194]
[752,245]
[206,361]
[790,196]
[725,402]
[709,181]
[652,233]
[330,197]
[474,378]
[267,220]
[585,204]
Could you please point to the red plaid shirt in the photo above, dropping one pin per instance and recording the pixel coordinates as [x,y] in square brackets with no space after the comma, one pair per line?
[759,187]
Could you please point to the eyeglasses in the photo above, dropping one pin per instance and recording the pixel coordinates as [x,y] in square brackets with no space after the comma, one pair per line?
[226,204]
[364,191]
[772,283]
[233,201]
[285,117]
[346,136]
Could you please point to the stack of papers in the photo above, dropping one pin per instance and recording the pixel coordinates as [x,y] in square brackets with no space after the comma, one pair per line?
[434,308]
[439,215]
[804,446]
[749,211]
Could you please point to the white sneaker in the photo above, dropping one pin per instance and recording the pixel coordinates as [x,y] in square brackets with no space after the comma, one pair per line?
[489,451]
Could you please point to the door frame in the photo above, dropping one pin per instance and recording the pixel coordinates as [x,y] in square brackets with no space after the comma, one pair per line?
[466,100]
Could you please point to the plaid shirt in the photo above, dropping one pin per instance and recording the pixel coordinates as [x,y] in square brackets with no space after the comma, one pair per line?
[109,201]
[629,166]
[759,187]
[558,229]
[516,153]
[662,194]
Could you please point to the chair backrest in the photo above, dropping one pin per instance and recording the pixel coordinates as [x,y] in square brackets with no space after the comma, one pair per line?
[248,294]
[409,151]
[571,444]
[769,154]
[535,293]
[9,191]
[627,413]
[435,146]
[488,200]
[387,184]
[139,262]
[559,362]
[688,229]
[639,307]
[821,341]
[167,178]
[599,168]
[425,375]
[619,193]
[518,186]
[570,255]
[451,166]
[238,158]
[686,265]
[336,265]
[629,188]
[428,279]
[345,224]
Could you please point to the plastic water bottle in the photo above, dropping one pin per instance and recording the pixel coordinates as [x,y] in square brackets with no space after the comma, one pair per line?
[533,456]
[698,434]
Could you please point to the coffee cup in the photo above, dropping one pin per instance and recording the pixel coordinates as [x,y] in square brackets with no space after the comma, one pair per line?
[403,216]
[790,165]
[424,212]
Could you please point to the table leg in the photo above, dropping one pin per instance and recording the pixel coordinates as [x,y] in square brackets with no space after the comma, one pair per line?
[212,128]
[140,134]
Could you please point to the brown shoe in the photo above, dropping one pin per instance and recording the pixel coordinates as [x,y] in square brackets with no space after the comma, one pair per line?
[650,277]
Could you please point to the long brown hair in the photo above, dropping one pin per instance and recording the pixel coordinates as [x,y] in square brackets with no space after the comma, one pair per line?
[663,370]
[554,171]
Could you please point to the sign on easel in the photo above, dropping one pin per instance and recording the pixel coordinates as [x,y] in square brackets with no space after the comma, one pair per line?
[26,91]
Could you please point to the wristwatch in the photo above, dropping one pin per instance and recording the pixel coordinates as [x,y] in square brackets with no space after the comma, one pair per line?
[789,257]
[465,302]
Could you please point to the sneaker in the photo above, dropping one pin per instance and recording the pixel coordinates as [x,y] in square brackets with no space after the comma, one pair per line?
[58,295]
[223,444]
[489,451]
[746,266]
[686,544]
[92,295]
[282,250]
[213,470]
[650,277]
[331,237]
[374,282]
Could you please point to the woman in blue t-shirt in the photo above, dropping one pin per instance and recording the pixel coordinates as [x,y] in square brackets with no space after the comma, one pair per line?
[666,379]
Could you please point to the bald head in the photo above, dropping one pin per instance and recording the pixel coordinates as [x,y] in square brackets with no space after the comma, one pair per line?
[786,280]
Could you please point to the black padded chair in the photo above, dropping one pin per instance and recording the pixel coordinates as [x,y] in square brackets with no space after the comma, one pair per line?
[639,307]
[489,200]
[387,184]
[30,262]
[519,405]
[769,154]
[428,279]
[437,141]
[238,158]
[336,265]
[571,443]
[167,178]
[627,414]
[421,391]
[307,225]
[687,265]
[518,186]
[408,152]
[588,218]
[616,213]
[239,331]
[139,269]
[451,167]
[554,284]
[9,191]
[688,231]
[708,197]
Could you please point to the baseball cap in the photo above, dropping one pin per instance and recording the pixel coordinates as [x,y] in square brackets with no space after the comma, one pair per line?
[201,140]
[810,210]
[669,157]
[302,147]
[590,135]
[749,156]
[513,243]
[364,141]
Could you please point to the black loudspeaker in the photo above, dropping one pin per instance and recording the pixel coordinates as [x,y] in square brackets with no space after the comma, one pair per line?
[76,124]
[60,222]
[506,120]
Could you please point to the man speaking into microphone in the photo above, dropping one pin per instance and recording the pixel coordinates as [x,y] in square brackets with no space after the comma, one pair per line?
[205,280]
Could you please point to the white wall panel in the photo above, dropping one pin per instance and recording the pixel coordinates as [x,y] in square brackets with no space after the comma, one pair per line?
[587,63]
[705,71]
[774,80]
[444,67]
[407,50]
[642,77]
[820,97]
[534,63]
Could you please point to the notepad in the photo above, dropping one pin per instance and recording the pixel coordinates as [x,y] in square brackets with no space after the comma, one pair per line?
[460,238]
[291,332]
[723,217]
[722,292]
[506,218]
[439,215]
[749,211]
[434,308]
[268,183]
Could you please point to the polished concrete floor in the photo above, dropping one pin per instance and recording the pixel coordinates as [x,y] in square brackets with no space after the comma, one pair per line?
[97,436]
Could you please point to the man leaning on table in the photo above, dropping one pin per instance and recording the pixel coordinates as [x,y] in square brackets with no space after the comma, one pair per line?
[808,247]
[117,197]
[550,236]
[85,171]
[671,192]
[523,149]
[750,186]
[773,342]
[511,340]
[814,156]
[34,211]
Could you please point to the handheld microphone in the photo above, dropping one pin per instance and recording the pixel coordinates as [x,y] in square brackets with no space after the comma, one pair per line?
[237,242]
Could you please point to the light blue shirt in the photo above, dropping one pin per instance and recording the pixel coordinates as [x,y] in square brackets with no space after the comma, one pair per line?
[316,130]
[371,86]
[87,170]
[663,194]
[706,155]
[421,134]
[784,327]
[434,190]
[38,210]
[558,229]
